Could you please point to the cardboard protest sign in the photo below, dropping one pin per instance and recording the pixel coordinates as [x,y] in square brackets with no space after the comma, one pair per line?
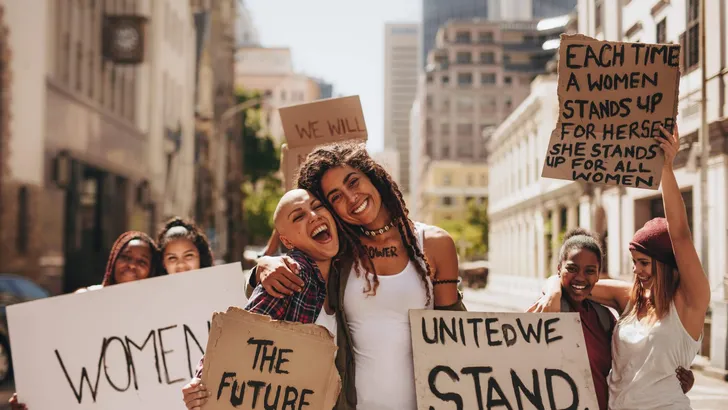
[469,360]
[613,97]
[254,362]
[127,346]
[307,126]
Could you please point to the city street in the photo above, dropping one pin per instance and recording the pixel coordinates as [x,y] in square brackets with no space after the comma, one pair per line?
[708,393]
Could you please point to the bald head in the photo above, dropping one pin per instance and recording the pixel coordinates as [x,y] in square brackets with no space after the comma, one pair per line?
[304,223]
[289,202]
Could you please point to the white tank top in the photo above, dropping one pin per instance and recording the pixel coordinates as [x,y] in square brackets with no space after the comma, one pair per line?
[328,321]
[644,359]
[381,339]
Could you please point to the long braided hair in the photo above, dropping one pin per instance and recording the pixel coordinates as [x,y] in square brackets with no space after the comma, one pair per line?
[354,154]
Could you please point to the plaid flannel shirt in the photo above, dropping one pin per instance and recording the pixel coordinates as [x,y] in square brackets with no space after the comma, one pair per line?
[301,307]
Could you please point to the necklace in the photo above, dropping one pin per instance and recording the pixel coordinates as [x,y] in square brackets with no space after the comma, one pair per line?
[380,231]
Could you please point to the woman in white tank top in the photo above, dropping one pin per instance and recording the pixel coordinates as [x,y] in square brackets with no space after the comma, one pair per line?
[662,311]
[397,265]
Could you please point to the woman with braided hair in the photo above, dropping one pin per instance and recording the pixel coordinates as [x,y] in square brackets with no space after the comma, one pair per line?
[396,265]
[183,246]
[134,256]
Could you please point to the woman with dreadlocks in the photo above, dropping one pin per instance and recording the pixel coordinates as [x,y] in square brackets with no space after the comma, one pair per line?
[397,265]
[134,256]
[183,247]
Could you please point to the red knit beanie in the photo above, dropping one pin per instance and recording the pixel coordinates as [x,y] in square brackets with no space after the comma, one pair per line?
[653,240]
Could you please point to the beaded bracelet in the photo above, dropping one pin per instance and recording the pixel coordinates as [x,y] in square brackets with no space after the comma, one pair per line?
[442,281]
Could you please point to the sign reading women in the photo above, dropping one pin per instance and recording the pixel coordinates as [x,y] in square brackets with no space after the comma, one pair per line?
[613,97]
[466,360]
[128,346]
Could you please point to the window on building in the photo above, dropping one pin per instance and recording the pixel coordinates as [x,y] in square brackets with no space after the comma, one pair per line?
[483,179]
[446,105]
[464,104]
[445,79]
[487,78]
[428,125]
[445,129]
[598,13]
[464,57]
[657,210]
[485,37]
[508,80]
[465,130]
[528,38]
[488,104]
[690,39]
[430,79]
[445,151]
[429,100]
[462,37]
[91,74]
[447,201]
[661,30]
[471,179]
[508,103]
[506,58]
[465,148]
[487,57]
[465,79]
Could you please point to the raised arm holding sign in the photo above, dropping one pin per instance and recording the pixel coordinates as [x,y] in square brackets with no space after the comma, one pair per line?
[613,99]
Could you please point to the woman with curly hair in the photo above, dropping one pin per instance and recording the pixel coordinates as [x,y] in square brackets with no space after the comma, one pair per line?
[183,246]
[396,265]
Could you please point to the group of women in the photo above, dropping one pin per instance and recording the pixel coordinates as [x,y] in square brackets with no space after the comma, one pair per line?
[180,247]
[392,264]
[638,359]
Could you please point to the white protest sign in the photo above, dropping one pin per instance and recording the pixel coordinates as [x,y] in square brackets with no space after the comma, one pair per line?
[477,360]
[127,346]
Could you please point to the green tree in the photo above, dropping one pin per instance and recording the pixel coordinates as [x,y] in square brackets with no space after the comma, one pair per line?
[259,204]
[471,233]
[261,157]
[261,161]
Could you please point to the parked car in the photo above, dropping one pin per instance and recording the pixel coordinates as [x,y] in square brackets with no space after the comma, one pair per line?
[13,289]
[474,274]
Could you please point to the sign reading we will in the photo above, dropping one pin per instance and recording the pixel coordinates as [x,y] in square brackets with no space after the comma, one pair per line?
[469,360]
[307,126]
[127,346]
[253,362]
[613,97]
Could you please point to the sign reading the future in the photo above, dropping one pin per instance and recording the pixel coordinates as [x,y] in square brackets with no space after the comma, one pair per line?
[127,346]
[613,98]
[467,360]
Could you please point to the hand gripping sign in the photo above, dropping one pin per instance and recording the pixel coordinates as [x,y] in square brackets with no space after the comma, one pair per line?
[613,98]
[310,125]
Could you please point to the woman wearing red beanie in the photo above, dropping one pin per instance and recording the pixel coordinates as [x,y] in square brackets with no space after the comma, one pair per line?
[662,312]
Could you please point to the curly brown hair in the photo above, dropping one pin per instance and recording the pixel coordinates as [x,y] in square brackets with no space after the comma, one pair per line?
[193,234]
[354,154]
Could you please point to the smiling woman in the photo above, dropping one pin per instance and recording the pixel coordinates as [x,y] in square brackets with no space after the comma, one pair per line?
[183,247]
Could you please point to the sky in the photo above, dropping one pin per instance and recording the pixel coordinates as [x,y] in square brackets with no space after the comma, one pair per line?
[340,41]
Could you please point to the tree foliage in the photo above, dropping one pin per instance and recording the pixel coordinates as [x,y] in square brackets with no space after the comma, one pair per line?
[471,233]
[261,161]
